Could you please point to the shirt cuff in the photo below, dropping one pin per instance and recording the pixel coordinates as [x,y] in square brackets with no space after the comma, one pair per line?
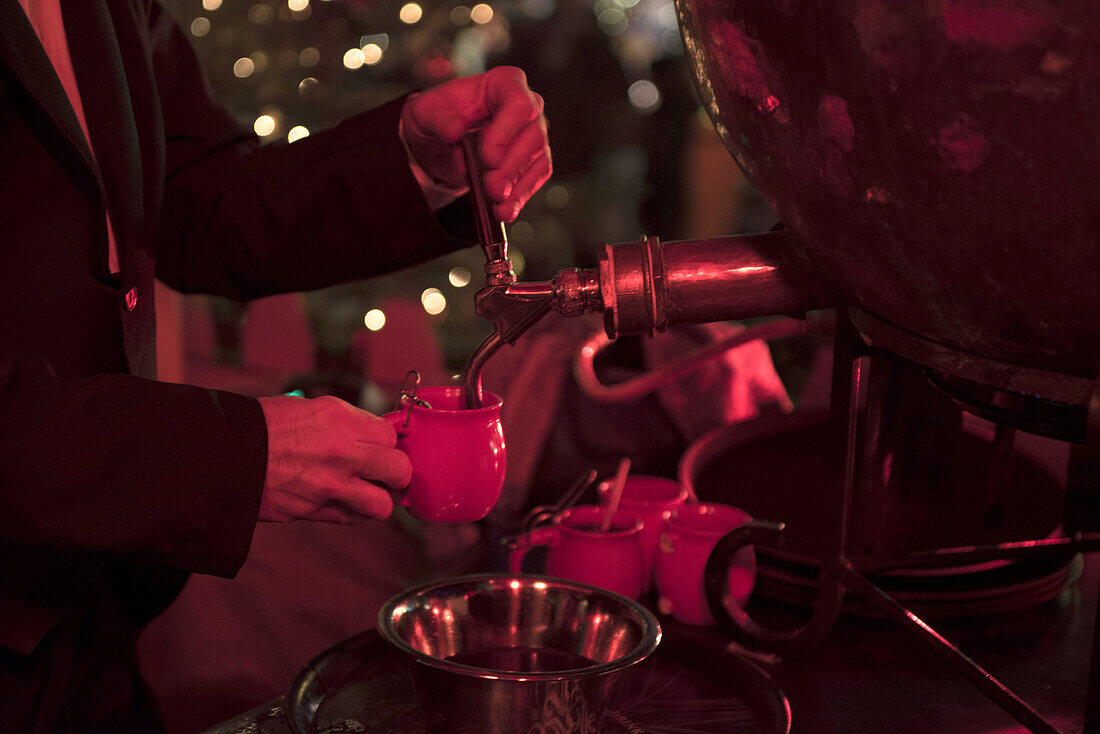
[437,193]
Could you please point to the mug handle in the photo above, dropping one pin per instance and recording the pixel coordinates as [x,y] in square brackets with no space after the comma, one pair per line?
[399,421]
[536,517]
[519,548]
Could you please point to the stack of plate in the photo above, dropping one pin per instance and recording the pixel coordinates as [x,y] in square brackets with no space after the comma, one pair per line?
[775,468]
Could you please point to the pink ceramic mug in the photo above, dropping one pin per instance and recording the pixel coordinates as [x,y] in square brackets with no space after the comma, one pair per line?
[652,499]
[578,550]
[687,538]
[458,457]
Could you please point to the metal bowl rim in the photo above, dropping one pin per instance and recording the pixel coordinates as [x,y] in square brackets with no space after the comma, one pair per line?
[651,636]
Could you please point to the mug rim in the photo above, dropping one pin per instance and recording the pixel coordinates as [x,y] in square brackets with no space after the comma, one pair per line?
[615,531]
[691,530]
[679,498]
[490,400]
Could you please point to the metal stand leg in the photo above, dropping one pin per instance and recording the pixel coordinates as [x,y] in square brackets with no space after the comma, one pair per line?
[1092,695]
[848,388]
[986,683]
[1082,501]
[838,572]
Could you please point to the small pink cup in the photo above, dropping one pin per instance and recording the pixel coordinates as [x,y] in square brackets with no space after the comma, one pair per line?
[652,499]
[687,538]
[579,551]
[458,456]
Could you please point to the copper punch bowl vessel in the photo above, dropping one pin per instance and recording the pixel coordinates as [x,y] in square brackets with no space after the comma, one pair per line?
[936,160]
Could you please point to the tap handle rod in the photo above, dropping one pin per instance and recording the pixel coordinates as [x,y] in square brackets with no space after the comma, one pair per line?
[490,230]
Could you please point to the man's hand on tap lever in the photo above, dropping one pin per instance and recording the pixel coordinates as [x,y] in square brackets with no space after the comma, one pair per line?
[514,147]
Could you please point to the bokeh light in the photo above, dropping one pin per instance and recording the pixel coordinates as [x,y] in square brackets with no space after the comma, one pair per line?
[613,21]
[557,197]
[297,133]
[410,13]
[521,231]
[460,15]
[671,43]
[261,14]
[644,95]
[459,277]
[519,262]
[374,319]
[433,301]
[309,57]
[666,16]
[211,4]
[372,54]
[243,67]
[264,125]
[297,5]
[200,27]
[481,13]
[353,58]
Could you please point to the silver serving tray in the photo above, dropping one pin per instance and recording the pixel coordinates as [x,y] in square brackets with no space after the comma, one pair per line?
[691,684]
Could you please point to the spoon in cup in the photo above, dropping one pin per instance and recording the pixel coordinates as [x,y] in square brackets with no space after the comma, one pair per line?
[615,494]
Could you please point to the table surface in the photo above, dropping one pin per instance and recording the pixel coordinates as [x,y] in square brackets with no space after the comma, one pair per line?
[869,676]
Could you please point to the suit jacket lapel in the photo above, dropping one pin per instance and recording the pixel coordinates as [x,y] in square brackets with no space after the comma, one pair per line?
[21,51]
[105,95]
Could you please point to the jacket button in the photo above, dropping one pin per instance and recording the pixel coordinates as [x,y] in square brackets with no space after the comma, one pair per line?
[131,299]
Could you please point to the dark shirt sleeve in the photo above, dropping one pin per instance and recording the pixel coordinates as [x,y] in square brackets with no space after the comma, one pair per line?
[246,221]
[120,466]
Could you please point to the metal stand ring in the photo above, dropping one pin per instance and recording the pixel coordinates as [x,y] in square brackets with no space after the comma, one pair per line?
[736,622]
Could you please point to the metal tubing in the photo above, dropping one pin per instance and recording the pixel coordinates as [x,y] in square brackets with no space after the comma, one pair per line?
[584,362]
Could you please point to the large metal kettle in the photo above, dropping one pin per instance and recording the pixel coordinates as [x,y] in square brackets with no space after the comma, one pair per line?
[936,160]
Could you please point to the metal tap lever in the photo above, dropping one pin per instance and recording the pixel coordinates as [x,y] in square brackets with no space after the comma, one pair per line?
[490,230]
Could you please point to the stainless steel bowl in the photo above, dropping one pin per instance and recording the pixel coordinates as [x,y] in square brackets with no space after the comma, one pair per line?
[502,654]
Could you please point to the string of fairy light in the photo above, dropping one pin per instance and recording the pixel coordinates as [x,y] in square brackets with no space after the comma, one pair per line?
[639,31]
[368,52]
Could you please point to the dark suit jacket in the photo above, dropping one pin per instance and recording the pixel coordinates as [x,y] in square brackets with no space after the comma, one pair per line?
[101,467]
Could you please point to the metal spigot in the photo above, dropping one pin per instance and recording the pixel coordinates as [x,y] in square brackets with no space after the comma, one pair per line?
[641,287]
[512,308]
